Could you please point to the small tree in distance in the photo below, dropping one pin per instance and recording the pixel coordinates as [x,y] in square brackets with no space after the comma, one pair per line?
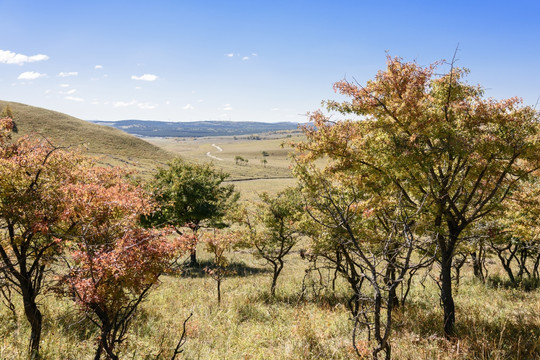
[218,243]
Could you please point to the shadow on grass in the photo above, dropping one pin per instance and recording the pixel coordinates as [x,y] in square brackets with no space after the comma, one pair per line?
[525,284]
[234,269]
[478,336]
[73,324]
[324,300]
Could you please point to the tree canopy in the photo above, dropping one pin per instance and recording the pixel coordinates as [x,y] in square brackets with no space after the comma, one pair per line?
[427,136]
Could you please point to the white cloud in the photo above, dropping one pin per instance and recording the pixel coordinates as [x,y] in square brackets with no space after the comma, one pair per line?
[167,102]
[30,75]
[124,104]
[146,106]
[66,74]
[254,54]
[227,107]
[245,58]
[229,55]
[70,92]
[48,91]
[275,109]
[145,77]
[9,57]
[188,107]
[72,98]
[95,102]
[98,67]
[64,85]
[138,88]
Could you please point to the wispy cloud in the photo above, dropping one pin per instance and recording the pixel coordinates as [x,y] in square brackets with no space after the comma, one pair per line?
[140,105]
[227,107]
[124,104]
[9,57]
[30,75]
[66,74]
[188,107]
[229,55]
[245,58]
[64,85]
[145,77]
[71,92]
[146,106]
[98,67]
[73,98]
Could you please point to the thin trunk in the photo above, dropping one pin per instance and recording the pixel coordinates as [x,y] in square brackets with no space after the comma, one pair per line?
[219,290]
[99,351]
[277,270]
[446,294]
[193,258]
[34,317]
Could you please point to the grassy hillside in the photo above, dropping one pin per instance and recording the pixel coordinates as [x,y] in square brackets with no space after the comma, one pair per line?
[114,145]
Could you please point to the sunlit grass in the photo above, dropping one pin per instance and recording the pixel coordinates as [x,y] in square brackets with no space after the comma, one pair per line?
[491,323]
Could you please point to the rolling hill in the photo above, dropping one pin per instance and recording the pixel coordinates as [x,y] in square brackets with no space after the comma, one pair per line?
[115,146]
[196,128]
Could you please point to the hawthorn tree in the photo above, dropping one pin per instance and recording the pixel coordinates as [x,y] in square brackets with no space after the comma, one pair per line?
[369,241]
[515,235]
[33,175]
[273,228]
[113,262]
[191,196]
[218,243]
[434,137]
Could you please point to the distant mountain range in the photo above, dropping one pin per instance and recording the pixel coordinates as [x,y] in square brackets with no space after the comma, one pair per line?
[150,128]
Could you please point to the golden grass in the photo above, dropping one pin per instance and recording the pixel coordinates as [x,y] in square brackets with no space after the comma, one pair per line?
[491,323]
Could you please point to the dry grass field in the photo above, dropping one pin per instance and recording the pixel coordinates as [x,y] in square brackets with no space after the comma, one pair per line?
[492,323]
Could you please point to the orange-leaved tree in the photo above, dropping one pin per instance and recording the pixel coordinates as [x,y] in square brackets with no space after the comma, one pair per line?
[113,261]
[437,139]
[33,174]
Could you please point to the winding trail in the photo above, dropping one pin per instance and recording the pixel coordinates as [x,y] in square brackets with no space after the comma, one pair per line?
[212,156]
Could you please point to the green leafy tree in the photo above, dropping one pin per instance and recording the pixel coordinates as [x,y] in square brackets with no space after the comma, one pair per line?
[191,196]
[273,228]
[434,137]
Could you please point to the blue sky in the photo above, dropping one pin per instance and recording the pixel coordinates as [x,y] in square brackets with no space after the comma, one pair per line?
[248,60]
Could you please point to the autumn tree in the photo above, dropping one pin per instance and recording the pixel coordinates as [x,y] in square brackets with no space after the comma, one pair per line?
[273,227]
[434,137]
[219,243]
[366,238]
[113,262]
[33,174]
[515,235]
[191,196]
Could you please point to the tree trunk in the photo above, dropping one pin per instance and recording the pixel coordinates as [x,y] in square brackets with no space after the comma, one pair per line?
[193,258]
[277,270]
[34,317]
[219,291]
[477,266]
[446,294]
